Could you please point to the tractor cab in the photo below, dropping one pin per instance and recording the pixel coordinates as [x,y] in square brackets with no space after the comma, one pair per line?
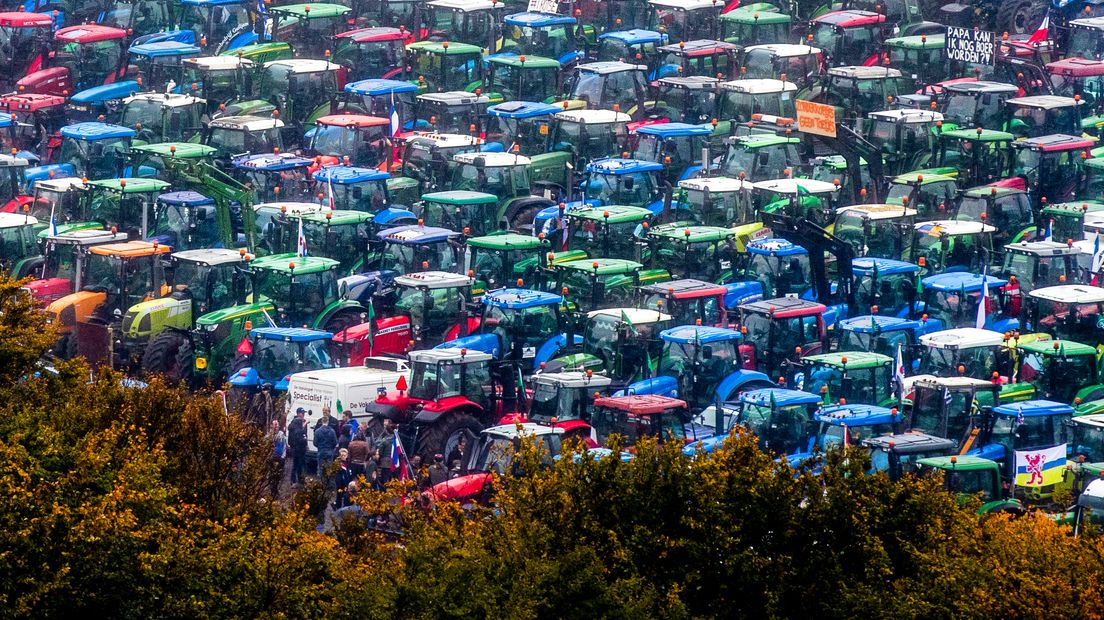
[596,283]
[685,20]
[677,146]
[94,150]
[276,176]
[629,45]
[932,195]
[361,140]
[781,268]
[185,220]
[801,64]
[684,250]
[566,399]
[848,37]
[559,37]
[977,104]
[234,137]
[471,22]
[83,56]
[1048,165]
[393,13]
[27,39]
[901,453]
[746,27]
[812,200]
[308,28]
[472,212]
[606,231]
[880,334]
[716,201]
[688,301]
[856,91]
[268,220]
[435,302]
[161,65]
[301,89]
[846,425]
[1029,265]
[967,477]
[1071,220]
[518,325]
[524,123]
[782,419]
[445,67]
[372,53]
[849,377]
[217,25]
[629,182]
[687,99]
[1044,115]
[952,246]
[428,158]
[622,342]
[777,332]
[920,56]
[589,135]
[705,365]
[1086,435]
[337,234]
[633,418]
[968,352]
[413,248]
[612,85]
[705,57]
[887,284]
[511,77]
[164,158]
[448,112]
[951,300]
[499,260]
[1086,36]
[741,100]
[951,407]
[360,189]
[163,117]
[1024,426]
[378,97]
[220,80]
[1080,78]
[1061,370]
[33,124]
[877,231]
[979,155]
[276,353]
[124,204]
[300,288]
[1067,312]
[18,242]
[64,255]
[444,379]
[905,137]
[505,175]
[62,197]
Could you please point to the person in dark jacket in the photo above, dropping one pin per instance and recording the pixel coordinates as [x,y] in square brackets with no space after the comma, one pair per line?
[297,441]
[325,443]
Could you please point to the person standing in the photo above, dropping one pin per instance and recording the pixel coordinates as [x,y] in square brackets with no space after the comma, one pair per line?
[358,453]
[438,473]
[297,441]
[279,452]
[325,443]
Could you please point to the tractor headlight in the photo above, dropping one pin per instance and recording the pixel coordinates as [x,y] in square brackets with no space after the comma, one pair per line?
[212,327]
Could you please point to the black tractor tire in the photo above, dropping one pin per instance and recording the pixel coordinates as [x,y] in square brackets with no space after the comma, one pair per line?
[1019,16]
[342,320]
[170,354]
[930,10]
[522,221]
[443,435]
[61,347]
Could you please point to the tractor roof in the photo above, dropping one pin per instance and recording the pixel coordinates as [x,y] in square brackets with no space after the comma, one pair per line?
[912,178]
[981,87]
[290,334]
[960,462]
[85,236]
[1058,348]
[453,355]
[522,109]
[272,162]
[292,262]
[859,72]
[962,338]
[534,19]
[1095,420]
[520,298]
[690,82]
[1070,294]
[775,247]
[185,199]
[602,266]
[686,288]
[919,41]
[909,443]
[699,334]
[699,47]
[445,47]
[508,241]
[781,397]
[163,49]
[312,10]
[984,135]
[877,212]
[353,120]
[885,266]
[219,63]
[744,16]
[30,102]
[1094,23]
[640,404]
[349,175]
[952,228]
[785,50]
[464,5]
[1076,67]
[635,36]
[573,379]
[10,161]
[1033,408]
[376,87]
[761,140]
[433,280]
[1044,102]
[15,220]
[1042,248]
[611,214]
[715,184]
[608,67]
[492,160]
[290,208]
[961,281]
[130,249]
[875,323]
[460,197]
[593,117]
[25,19]
[529,61]
[96,131]
[214,256]
[906,115]
[525,429]
[132,185]
[759,86]
[796,186]
[446,140]
[169,100]
[89,33]
[246,123]
[617,165]
[414,234]
[953,383]
[674,130]
[637,316]
[180,150]
[691,233]
[688,5]
[851,359]
[373,33]
[335,217]
[62,185]
[850,19]
[989,190]
[1055,142]
[856,415]
[303,65]
[785,307]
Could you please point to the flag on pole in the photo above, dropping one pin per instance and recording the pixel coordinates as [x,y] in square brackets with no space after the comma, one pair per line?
[1049,234]
[628,322]
[1040,34]
[899,370]
[371,320]
[53,220]
[982,300]
[398,458]
[394,117]
[1097,258]
[302,242]
[1038,468]
[329,185]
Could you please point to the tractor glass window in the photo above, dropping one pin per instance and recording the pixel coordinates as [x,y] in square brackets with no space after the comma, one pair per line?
[1087,440]
[634,189]
[825,37]
[760,64]
[612,48]
[497,456]
[587,86]
[20,46]
[600,338]
[927,410]
[147,114]
[550,400]
[589,141]
[1037,431]
[970,482]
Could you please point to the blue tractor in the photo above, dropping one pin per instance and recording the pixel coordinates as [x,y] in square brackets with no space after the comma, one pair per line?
[882,334]
[951,300]
[545,34]
[631,182]
[377,97]
[889,285]
[91,150]
[526,124]
[266,359]
[276,177]
[630,45]
[781,418]
[677,146]
[845,425]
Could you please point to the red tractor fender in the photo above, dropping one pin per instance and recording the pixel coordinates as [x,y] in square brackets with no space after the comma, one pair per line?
[454,331]
[461,487]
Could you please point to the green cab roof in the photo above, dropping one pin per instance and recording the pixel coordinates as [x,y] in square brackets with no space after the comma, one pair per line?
[602,266]
[691,233]
[745,16]
[918,42]
[182,150]
[613,214]
[961,462]
[531,62]
[508,241]
[1065,347]
[1076,207]
[286,263]
[460,197]
[313,10]
[909,178]
[758,141]
[448,48]
[136,185]
[335,217]
[986,135]
[856,360]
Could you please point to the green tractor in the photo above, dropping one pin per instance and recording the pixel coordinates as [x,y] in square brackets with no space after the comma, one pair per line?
[607,231]
[18,245]
[443,66]
[716,201]
[972,476]
[164,117]
[1006,208]
[338,234]
[501,260]
[472,212]
[708,253]
[505,175]
[597,283]
[852,377]
[760,157]
[124,204]
[526,78]
[1062,370]
[979,155]
[932,195]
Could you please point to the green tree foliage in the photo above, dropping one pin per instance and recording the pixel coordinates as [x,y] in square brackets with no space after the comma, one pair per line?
[137,503]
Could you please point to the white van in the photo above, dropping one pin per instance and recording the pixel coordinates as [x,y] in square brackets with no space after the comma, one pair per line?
[352,387]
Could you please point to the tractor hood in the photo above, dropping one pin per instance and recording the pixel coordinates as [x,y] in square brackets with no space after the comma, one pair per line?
[49,290]
[74,308]
[149,318]
[107,92]
[53,81]
[461,487]
[226,314]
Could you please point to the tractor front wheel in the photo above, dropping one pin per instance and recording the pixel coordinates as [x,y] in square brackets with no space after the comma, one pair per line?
[445,433]
[1019,16]
[170,354]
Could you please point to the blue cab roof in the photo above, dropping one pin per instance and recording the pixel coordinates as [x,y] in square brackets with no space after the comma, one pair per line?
[674,130]
[538,20]
[886,266]
[376,87]
[272,161]
[162,49]
[104,92]
[185,199]
[520,298]
[635,36]
[775,247]
[522,109]
[867,324]
[96,131]
[348,175]
[1031,408]
[617,165]
[5,119]
[211,2]
[294,334]
[856,415]
[959,281]
[413,234]
[783,397]
[704,334]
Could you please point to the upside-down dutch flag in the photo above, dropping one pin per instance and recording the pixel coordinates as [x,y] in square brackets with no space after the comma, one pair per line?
[398,458]
[394,117]
[301,244]
[1040,34]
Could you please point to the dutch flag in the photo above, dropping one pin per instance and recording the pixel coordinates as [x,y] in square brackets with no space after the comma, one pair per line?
[302,243]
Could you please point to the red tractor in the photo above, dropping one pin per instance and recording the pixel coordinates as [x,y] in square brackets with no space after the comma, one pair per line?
[26,38]
[82,57]
[633,417]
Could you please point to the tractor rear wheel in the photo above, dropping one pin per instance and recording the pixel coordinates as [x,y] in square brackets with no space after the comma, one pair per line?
[1019,16]
[342,321]
[170,354]
[522,221]
[444,434]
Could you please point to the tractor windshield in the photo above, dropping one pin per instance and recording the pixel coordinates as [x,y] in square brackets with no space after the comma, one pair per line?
[64,205]
[341,242]
[890,292]
[233,142]
[1058,377]
[1087,440]
[598,239]
[782,430]
[99,159]
[929,407]
[589,141]
[553,42]
[212,21]
[210,288]
[600,338]
[780,275]
[877,238]
[298,299]
[702,261]
[89,64]
[835,436]
[217,85]
[499,454]
[741,106]
[885,343]
[612,49]
[556,401]
[525,327]
[532,83]
[368,196]
[275,358]
[1034,122]
[721,208]
[20,46]
[431,311]
[665,426]
[1034,272]
[124,211]
[633,189]
[1037,431]
[412,258]
[530,134]
[447,73]
[435,381]
[977,362]
[686,311]
[683,150]
[148,18]
[502,181]
[277,185]
[1065,321]
[304,91]
[126,282]
[863,385]
[185,227]
[967,110]
[951,253]
[371,59]
[365,146]
[16,242]
[146,114]
[604,291]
